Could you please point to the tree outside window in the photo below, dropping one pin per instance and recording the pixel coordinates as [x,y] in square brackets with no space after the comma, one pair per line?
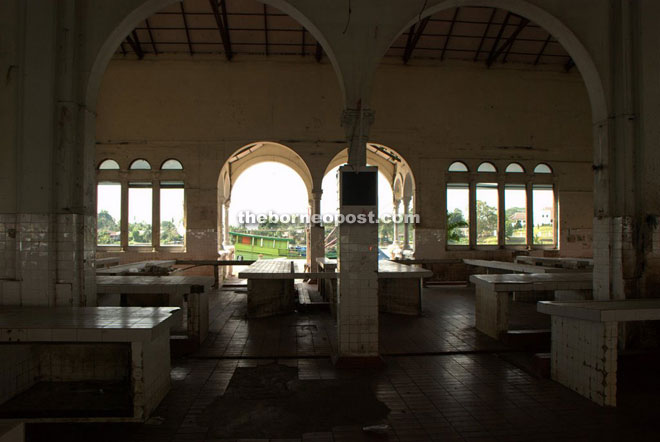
[487,216]
[108,214]
[458,214]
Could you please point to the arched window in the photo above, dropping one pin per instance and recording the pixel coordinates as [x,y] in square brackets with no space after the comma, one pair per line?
[458,166]
[171,164]
[132,198]
[514,168]
[109,165]
[542,168]
[486,167]
[140,164]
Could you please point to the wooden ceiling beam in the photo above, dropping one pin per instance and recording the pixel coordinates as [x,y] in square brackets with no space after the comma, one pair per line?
[485,34]
[570,64]
[540,54]
[495,53]
[220,16]
[319,52]
[151,37]
[414,39]
[451,29]
[185,26]
[514,36]
[134,42]
[266,30]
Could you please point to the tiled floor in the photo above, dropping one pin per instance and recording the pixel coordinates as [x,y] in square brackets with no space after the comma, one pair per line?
[442,381]
[446,326]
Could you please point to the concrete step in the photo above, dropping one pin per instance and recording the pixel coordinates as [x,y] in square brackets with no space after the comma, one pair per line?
[541,364]
[182,345]
[528,340]
[229,286]
[310,300]
[536,364]
[428,283]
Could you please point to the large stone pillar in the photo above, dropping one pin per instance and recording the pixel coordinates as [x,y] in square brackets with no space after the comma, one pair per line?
[50,218]
[618,226]
[357,309]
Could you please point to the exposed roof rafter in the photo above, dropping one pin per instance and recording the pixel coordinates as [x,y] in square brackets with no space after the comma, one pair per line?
[185,25]
[319,52]
[498,38]
[545,45]
[151,37]
[220,16]
[485,34]
[134,42]
[570,64]
[451,29]
[414,39]
[472,33]
[506,46]
[266,29]
[523,22]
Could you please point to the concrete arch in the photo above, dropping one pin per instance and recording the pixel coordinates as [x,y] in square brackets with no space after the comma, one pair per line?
[264,151]
[389,170]
[244,158]
[565,36]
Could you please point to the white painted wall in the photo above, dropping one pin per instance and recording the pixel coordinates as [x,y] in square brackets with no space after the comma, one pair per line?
[201,111]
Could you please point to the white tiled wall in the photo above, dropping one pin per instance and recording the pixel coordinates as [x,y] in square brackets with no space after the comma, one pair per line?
[18,369]
[21,365]
[75,362]
[399,295]
[7,246]
[47,260]
[612,245]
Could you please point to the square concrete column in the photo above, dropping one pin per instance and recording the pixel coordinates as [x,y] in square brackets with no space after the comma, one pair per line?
[357,309]
[316,239]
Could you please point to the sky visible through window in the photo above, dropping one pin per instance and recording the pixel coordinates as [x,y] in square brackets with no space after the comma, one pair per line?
[109,198]
[266,187]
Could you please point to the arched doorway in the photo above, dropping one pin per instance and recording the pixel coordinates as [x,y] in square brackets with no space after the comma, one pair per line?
[262,188]
[393,171]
